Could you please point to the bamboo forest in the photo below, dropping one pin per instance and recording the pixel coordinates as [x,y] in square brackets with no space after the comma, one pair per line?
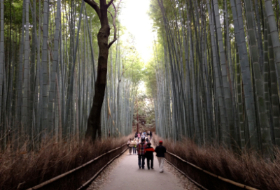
[78,78]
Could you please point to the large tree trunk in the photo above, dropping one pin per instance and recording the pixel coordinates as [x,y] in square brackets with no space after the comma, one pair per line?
[94,119]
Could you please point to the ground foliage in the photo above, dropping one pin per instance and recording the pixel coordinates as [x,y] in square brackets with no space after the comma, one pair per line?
[20,169]
[246,169]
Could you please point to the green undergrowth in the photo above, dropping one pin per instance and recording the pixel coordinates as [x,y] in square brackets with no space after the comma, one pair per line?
[20,169]
[246,169]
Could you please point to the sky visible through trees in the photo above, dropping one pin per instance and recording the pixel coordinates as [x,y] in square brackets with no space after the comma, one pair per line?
[138,23]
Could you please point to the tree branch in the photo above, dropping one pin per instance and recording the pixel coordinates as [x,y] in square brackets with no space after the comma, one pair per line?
[114,22]
[94,5]
[108,5]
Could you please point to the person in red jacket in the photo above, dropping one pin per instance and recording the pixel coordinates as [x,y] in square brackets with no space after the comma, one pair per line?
[149,155]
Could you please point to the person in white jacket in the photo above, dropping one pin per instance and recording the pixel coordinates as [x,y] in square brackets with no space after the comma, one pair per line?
[129,146]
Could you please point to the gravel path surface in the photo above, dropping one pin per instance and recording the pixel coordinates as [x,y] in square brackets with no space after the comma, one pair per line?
[124,174]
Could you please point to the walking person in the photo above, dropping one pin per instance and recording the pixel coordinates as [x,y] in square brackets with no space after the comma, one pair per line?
[143,136]
[147,140]
[148,134]
[134,144]
[141,154]
[129,145]
[160,150]
[150,156]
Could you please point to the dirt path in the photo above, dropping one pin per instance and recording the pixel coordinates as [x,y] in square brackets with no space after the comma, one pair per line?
[124,174]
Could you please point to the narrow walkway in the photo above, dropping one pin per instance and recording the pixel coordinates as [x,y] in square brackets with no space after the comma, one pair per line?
[125,174]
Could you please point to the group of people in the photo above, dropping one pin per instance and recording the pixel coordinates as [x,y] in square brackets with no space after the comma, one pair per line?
[144,134]
[145,151]
[132,143]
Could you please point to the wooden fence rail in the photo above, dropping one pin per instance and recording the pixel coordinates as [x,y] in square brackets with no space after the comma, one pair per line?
[80,177]
[203,178]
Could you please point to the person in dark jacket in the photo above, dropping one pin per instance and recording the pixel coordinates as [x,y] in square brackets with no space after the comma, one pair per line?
[149,155]
[160,150]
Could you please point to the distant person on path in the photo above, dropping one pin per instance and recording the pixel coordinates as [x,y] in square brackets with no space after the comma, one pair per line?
[160,150]
[143,136]
[141,154]
[147,140]
[134,144]
[129,145]
[148,134]
[150,156]
[144,133]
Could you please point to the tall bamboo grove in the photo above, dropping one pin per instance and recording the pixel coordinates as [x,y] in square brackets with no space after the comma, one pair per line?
[48,53]
[217,72]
